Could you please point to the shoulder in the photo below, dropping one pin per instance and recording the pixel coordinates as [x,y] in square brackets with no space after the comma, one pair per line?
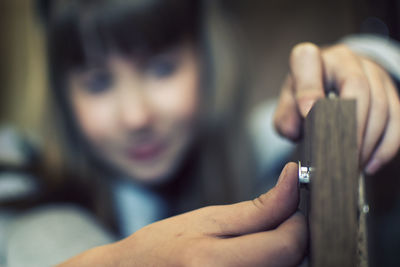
[50,234]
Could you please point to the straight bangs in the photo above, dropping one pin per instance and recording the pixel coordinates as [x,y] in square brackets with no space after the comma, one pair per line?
[82,32]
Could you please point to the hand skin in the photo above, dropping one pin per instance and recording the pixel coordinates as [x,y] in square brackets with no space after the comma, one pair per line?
[313,70]
[266,231]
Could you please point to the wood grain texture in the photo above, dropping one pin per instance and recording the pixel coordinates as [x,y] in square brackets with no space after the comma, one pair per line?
[330,146]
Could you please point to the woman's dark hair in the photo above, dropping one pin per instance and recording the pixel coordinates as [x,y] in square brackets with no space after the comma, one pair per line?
[80,31]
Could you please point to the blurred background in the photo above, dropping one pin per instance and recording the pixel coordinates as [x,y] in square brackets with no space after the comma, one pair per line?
[268,31]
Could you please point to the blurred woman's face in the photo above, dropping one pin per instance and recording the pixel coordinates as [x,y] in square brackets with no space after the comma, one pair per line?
[137,116]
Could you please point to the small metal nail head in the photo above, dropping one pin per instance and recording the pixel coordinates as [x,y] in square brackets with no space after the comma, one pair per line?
[304,174]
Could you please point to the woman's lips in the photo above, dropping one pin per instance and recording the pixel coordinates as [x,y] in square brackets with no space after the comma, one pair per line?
[145,151]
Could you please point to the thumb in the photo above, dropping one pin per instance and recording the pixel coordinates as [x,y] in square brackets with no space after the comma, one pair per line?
[307,70]
[263,213]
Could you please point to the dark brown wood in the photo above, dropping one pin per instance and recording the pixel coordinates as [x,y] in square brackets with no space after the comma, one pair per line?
[330,146]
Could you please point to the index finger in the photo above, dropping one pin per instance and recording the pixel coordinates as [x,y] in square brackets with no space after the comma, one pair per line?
[283,246]
[345,71]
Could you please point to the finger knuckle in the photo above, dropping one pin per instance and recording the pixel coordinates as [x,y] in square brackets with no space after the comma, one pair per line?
[344,49]
[339,49]
[357,83]
[337,55]
[259,202]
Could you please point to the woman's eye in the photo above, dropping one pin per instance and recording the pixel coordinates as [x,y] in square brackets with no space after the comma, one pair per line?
[162,67]
[98,82]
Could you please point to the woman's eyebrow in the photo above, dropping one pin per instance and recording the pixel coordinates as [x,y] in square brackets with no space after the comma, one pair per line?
[84,71]
[92,66]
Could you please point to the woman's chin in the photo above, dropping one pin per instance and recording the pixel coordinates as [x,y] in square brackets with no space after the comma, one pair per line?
[151,175]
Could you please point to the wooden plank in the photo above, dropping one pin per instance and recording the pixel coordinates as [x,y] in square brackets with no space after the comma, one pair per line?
[330,146]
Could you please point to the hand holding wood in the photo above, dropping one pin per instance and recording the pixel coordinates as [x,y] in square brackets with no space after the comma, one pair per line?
[266,231]
[314,71]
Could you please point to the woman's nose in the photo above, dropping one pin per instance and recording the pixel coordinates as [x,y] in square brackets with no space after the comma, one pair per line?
[135,110]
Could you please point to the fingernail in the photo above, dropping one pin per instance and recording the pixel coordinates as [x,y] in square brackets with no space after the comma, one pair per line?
[305,107]
[372,166]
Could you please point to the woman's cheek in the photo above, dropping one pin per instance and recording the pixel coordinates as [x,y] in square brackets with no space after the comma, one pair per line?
[176,101]
[177,96]
[95,116]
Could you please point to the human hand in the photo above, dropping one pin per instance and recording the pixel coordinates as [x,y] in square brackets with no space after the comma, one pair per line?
[266,231]
[314,71]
